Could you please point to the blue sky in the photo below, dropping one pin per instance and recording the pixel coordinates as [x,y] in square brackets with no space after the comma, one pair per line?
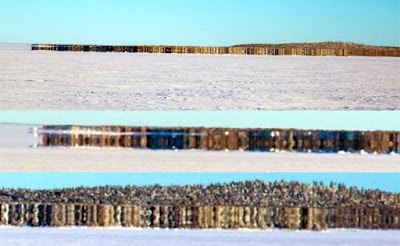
[199,22]
[384,181]
[332,120]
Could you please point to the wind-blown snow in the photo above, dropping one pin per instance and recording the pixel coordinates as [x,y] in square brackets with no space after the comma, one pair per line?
[13,236]
[35,80]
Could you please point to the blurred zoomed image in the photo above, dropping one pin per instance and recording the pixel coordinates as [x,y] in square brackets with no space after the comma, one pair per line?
[230,178]
[199,208]
[155,141]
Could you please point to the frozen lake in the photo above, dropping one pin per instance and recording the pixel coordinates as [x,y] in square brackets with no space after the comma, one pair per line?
[33,80]
[12,236]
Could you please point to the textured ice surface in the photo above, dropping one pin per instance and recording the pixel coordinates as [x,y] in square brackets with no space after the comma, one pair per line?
[12,236]
[125,81]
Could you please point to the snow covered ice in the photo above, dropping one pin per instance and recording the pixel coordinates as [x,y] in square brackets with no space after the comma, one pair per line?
[33,80]
[128,160]
[21,236]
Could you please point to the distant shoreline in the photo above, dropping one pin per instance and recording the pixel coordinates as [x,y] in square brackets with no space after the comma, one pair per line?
[302,49]
[252,204]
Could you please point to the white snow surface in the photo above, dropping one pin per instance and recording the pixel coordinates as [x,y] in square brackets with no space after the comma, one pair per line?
[33,80]
[129,160]
[15,46]
[14,236]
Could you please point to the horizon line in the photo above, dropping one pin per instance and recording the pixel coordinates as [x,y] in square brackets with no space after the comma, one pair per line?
[232,45]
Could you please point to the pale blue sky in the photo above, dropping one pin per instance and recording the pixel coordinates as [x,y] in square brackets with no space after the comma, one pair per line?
[199,22]
[332,120]
[384,181]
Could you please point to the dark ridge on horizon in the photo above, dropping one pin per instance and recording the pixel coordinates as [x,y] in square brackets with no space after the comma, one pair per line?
[324,44]
[242,193]
[302,49]
[321,45]
[252,205]
[220,138]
